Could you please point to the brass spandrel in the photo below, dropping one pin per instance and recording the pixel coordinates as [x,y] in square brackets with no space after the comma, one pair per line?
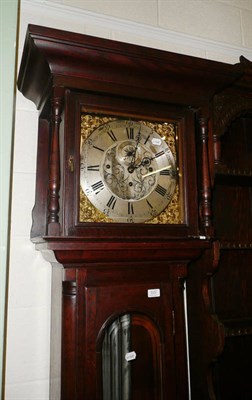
[88,213]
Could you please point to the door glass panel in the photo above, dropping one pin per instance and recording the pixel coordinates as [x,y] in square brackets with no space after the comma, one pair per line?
[132,359]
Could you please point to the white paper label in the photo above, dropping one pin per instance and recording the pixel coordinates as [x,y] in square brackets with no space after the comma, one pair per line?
[130,356]
[153,292]
[156,141]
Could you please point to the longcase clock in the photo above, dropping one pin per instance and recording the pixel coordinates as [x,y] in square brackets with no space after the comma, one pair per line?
[123,205]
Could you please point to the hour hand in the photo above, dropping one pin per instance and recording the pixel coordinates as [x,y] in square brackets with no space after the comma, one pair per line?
[138,138]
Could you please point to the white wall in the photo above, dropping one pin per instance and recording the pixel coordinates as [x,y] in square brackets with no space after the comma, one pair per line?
[220,30]
[8,28]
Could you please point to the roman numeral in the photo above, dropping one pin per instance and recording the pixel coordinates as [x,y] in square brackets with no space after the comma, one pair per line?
[149,204]
[130,133]
[93,168]
[130,209]
[146,140]
[165,172]
[161,153]
[160,190]
[112,135]
[111,203]
[97,187]
[170,172]
[98,148]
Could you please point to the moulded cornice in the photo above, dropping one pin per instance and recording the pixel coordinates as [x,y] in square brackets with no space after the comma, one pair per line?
[56,58]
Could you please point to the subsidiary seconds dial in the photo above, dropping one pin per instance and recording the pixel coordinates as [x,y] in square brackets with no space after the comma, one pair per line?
[128,171]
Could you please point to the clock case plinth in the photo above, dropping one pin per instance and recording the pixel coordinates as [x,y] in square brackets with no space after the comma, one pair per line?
[64,73]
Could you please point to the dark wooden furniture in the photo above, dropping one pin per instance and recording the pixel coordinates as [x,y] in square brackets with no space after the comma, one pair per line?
[227,295]
[232,205]
[123,329]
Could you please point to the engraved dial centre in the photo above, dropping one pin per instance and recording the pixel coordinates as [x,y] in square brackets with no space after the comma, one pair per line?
[123,171]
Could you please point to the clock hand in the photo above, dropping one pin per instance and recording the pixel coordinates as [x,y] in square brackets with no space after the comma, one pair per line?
[156,171]
[146,161]
[133,160]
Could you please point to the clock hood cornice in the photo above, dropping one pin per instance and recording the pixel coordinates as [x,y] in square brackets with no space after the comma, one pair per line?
[55,58]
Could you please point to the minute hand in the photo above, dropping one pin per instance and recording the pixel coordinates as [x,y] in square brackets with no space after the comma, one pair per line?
[156,171]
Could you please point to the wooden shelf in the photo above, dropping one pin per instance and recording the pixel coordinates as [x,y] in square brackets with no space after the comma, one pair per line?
[238,327]
[233,176]
[235,246]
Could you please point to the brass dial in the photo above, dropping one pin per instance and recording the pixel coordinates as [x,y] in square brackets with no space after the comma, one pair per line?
[128,172]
